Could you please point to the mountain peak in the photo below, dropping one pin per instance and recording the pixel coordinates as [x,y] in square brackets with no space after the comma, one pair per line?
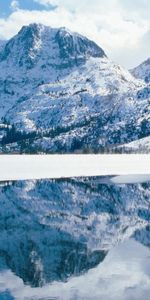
[22,48]
[54,45]
[29,30]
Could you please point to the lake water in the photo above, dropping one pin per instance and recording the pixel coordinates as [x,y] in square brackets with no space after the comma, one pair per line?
[74,239]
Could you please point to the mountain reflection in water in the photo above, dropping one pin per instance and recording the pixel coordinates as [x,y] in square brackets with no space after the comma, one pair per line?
[58,235]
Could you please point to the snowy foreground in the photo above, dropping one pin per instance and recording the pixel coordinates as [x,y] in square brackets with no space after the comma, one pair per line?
[123,275]
[26,167]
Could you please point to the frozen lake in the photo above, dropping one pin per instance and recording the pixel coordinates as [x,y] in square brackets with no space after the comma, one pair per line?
[25,167]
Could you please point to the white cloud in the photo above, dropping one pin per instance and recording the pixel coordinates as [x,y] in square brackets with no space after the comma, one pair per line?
[85,5]
[138,8]
[114,25]
[14,5]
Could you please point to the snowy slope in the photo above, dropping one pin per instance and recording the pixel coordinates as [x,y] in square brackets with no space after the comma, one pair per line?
[137,146]
[63,94]
[142,71]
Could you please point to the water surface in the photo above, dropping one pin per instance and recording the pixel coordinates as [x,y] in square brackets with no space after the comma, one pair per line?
[74,239]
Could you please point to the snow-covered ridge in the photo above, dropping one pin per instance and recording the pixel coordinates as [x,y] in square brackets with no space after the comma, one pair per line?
[36,42]
[142,71]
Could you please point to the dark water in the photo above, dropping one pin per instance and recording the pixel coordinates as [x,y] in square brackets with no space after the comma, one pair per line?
[67,239]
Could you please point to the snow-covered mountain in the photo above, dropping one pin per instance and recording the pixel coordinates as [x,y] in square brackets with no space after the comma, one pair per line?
[53,230]
[142,71]
[61,93]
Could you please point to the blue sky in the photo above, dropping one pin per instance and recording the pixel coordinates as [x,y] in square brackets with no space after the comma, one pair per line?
[120,27]
[6,9]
